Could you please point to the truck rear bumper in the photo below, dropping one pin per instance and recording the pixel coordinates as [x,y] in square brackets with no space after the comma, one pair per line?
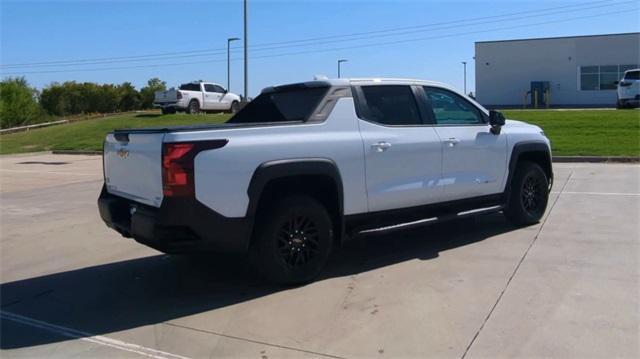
[180,225]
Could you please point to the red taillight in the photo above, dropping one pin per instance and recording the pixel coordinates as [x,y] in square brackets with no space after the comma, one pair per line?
[179,95]
[177,169]
[177,166]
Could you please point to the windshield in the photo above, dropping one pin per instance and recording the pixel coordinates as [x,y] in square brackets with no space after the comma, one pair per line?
[290,103]
[632,75]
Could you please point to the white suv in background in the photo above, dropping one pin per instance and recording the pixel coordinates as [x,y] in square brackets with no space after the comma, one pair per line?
[629,89]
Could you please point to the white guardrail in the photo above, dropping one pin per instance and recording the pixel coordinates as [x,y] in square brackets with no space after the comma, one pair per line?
[27,128]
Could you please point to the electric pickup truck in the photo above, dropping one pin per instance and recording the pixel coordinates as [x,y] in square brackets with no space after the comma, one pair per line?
[304,167]
[195,97]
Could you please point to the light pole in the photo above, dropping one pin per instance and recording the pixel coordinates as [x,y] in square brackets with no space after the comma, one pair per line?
[229,40]
[465,77]
[339,62]
[246,53]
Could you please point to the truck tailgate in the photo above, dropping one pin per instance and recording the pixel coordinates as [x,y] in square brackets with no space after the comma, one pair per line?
[166,96]
[133,166]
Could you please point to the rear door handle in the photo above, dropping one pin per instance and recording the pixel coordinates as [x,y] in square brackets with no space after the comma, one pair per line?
[452,141]
[381,146]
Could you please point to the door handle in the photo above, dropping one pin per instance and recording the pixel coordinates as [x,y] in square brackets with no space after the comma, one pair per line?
[452,141]
[381,146]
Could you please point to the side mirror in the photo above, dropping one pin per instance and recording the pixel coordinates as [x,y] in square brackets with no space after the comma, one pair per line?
[496,120]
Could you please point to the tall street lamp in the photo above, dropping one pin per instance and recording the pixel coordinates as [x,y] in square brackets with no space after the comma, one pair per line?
[229,40]
[246,53]
[464,63]
[340,62]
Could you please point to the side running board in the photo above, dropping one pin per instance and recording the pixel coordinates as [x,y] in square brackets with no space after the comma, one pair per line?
[427,221]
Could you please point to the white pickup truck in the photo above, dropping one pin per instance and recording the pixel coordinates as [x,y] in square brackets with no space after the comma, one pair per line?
[304,167]
[195,97]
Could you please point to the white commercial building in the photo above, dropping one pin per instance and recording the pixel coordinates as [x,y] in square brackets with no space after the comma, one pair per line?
[577,71]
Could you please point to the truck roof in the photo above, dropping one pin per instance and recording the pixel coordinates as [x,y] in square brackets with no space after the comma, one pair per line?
[367,81]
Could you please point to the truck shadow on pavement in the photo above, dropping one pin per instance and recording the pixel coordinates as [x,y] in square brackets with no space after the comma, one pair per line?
[144,291]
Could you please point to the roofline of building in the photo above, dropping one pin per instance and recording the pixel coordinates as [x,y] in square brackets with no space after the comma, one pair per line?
[559,38]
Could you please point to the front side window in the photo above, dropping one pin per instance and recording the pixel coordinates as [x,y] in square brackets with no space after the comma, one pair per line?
[218,89]
[288,103]
[451,109]
[209,88]
[391,105]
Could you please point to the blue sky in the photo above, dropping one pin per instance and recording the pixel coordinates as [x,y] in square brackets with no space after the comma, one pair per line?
[44,31]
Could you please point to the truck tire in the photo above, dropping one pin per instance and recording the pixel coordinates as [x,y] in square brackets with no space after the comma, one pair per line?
[194,107]
[164,111]
[235,107]
[529,194]
[292,240]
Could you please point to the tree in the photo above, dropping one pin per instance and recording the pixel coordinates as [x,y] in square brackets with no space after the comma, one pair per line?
[18,103]
[147,93]
[129,97]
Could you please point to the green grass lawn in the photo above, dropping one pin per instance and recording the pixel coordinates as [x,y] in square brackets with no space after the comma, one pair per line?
[587,132]
[572,133]
[89,134]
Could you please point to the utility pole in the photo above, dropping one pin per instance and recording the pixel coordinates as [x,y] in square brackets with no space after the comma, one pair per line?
[246,54]
[465,77]
[339,62]
[229,40]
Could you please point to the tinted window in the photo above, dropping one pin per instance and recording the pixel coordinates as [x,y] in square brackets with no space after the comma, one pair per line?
[451,109]
[289,103]
[632,75]
[209,88]
[391,105]
[218,88]
[190,87]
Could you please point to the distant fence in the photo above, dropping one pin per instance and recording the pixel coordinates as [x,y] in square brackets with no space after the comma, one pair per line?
[30,127]
[6,131]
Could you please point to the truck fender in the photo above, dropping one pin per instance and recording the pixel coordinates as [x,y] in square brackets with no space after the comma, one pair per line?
[535,149]
[291,168]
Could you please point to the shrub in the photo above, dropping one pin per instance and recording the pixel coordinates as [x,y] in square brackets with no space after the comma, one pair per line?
[19,103]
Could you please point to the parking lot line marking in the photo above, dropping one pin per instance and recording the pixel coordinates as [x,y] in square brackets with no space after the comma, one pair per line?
[602,193]
[88,337]
[252,340]
[50,172]
[515,271]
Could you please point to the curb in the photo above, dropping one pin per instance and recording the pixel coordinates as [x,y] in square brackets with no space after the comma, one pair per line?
[596,159]
[74,152]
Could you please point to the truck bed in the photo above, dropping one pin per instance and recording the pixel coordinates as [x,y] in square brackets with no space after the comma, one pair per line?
[200,127]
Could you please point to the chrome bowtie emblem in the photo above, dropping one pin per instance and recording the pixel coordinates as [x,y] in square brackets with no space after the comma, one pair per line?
[123,153]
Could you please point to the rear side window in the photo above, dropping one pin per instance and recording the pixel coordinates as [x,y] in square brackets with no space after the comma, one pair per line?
[190,87]
[294,103]
[632,75]
[391,105]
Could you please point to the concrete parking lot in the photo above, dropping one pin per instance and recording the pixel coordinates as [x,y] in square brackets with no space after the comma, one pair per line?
[568,287]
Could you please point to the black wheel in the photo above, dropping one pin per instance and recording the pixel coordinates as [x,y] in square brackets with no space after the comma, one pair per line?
[529,194]
[235,107]
[293,240]
[194,107]
[164,111]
